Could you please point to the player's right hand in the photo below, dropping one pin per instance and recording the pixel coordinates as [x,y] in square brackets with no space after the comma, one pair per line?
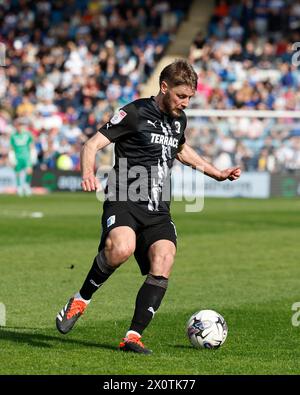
[90,183]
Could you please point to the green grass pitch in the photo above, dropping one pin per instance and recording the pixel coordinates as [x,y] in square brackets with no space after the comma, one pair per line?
[239,257]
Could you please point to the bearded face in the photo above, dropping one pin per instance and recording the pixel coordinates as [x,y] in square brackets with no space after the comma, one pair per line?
[175,99]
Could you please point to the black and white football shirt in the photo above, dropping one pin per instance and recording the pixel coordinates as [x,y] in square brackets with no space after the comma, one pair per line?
[146,143]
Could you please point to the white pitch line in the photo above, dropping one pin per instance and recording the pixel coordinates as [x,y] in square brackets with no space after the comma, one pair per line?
[2,314]
[22,214]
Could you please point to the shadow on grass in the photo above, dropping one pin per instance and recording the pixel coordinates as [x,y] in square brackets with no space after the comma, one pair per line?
[181,346]
[36,339]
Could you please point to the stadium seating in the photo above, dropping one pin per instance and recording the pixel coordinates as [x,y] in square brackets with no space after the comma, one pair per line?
[244,61]
[65,75]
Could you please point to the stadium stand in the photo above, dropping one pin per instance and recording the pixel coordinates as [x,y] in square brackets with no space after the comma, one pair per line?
[70,63]
[244,61]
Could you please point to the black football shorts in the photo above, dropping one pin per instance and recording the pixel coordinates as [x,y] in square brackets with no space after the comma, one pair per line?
[148,226]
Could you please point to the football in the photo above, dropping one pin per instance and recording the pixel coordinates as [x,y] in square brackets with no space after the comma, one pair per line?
[207,329]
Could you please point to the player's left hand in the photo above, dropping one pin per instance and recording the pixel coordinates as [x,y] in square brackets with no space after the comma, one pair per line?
[233,173]
[90,183]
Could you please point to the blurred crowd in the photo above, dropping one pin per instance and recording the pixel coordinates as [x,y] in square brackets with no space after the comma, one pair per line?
[245,61]
[70,63]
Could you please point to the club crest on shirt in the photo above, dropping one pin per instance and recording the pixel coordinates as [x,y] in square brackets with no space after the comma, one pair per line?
[118,116]
[111,220]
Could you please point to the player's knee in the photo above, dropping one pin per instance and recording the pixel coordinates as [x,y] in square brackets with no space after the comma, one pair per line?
[121,253]
[162,263]
[118,253]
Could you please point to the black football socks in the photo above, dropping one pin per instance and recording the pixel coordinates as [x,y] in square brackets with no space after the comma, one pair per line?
[99,273]
[148,301]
